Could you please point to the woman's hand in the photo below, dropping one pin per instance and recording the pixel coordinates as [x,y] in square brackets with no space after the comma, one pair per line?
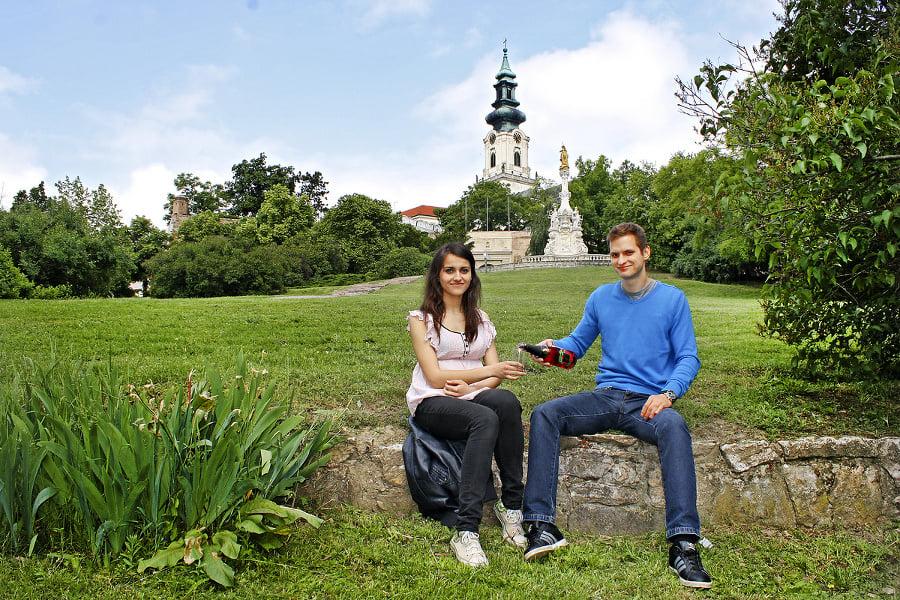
[508,369]
[457,388]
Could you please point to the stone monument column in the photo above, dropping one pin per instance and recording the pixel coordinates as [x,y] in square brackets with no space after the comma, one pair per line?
[565,235]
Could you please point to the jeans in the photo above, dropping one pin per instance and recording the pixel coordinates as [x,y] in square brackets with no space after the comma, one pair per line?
[491,424]
[596,411]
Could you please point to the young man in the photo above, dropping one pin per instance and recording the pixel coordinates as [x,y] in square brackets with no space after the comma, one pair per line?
[649,359]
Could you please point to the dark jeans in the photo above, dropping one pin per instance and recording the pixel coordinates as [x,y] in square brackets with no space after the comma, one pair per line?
[595,411]
[491,424]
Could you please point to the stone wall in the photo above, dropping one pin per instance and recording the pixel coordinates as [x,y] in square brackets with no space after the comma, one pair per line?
[612,484]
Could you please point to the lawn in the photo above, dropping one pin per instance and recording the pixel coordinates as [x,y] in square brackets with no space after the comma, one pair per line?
[357,556]
[351,356]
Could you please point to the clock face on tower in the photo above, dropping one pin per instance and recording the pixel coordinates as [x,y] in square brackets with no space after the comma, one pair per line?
[518,137]
[492,138]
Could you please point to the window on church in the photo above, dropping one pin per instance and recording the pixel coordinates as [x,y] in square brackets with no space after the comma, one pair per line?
[493,160]
[517,159]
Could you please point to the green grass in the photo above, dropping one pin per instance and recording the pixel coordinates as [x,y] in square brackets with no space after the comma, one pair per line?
[358,556]
[353,353]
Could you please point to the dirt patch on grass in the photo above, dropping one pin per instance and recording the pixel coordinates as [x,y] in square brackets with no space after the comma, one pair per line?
[723,431]
[358,289]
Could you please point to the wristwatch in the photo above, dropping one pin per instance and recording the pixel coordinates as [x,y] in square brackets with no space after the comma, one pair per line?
[670,395]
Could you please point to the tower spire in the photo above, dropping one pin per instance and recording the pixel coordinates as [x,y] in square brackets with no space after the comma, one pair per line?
[505,116]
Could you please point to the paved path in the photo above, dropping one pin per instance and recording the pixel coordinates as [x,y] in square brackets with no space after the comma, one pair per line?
[357,289]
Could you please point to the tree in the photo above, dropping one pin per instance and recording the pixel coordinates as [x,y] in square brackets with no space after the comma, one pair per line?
[147,241]
[96,206]
[200,195]
[823,40]
[74,239]
[402,262]
[247,189]
[13,284]
[314,186]
[310,256]
[591,191]
[215,266]
[203,225]
[816,132]
[282,216]
[485,206]
[36,197]
[702,239]
[364,227]
[545,196]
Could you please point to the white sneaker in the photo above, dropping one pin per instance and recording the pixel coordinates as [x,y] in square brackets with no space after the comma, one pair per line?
[467,549]
[511,522]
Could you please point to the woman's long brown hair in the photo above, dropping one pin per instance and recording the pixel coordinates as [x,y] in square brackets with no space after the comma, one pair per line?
[433,303]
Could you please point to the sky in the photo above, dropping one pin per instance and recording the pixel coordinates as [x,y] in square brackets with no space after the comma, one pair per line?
[386,98]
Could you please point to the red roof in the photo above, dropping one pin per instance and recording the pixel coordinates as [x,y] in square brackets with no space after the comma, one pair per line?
[420,211]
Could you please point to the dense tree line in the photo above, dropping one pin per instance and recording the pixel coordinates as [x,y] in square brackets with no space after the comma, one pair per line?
[262,232]
[265,230]
[71,243]
[270,228]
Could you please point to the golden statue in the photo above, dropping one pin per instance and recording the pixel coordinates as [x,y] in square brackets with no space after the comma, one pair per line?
[563,158]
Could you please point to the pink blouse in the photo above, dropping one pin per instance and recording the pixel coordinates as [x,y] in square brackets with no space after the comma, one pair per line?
[453,353]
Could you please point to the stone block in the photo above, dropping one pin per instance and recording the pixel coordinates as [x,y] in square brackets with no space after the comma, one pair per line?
[758,498]
[743,456]
[830,447]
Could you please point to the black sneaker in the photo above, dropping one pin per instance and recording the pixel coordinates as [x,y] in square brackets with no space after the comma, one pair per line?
[542,538]
[684,559]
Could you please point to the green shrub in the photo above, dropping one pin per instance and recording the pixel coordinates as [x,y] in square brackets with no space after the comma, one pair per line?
[201,465]
[402,262]
[707,264]
[51,292]
[13,283]
[216,266]
[308,257]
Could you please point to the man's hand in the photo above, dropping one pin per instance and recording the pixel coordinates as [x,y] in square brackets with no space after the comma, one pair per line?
[654,404]
[549,344]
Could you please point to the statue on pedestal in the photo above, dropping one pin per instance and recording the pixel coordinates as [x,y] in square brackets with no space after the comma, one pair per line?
[565,235]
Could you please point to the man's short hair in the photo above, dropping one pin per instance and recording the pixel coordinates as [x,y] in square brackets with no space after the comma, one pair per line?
[623,229]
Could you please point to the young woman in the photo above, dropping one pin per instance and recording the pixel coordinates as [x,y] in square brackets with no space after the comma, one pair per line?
[454,396]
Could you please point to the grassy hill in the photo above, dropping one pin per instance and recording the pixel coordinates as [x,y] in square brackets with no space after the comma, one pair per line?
[352,354]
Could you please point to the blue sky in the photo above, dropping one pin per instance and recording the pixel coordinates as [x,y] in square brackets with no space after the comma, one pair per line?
[385,97]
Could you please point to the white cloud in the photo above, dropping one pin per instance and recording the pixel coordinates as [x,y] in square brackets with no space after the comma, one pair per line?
[239,33]
[13,83]
[374,12]
[18,170]
[169,134]
[145,194]
[614,96]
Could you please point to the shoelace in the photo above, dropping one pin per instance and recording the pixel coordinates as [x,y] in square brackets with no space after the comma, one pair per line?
[692,558]
[512,517]
[470,544]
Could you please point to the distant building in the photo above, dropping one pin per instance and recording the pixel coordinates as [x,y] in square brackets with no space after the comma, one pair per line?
[506,161]
[178,211]
[423,219]
[506,146]
[499,247]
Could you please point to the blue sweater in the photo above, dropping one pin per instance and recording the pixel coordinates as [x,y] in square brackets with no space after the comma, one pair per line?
[648,345]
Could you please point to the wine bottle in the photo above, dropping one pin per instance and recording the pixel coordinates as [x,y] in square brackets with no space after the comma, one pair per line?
[559,357]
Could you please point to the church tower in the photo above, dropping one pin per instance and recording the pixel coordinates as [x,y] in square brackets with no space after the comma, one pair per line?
[506,146]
